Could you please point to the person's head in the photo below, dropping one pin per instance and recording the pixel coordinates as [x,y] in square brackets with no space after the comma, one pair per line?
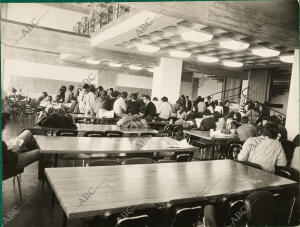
[63,88]
[187,98]
[133,96]
[13,90]
[44,94]
[5,119]
[85,87]
[251,106]
[275,120]
[270,130]
[103,93]
[209,98]
[244,120]
[100,88]
[71,88]
[207,113]
[124,95]
[146,98]
[237,116]
[164,99]
[110,91]
[226,103]
[114,94]
[155,99]
[92,88]
[182,97]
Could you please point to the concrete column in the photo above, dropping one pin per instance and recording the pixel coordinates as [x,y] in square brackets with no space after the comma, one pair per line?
[292,118]
[259,85]
[195,88]
[167,79]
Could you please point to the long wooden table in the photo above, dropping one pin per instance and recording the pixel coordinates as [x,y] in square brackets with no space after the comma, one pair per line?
[103,128]
[131,185]
[95,145]
[206,138]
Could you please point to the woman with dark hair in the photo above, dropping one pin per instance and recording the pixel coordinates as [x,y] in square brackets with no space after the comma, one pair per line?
[60,97]
[263,112]
[251,113]
[264,150]
[101,102]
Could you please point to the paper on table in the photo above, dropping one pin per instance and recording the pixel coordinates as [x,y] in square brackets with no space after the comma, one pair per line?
[179,144]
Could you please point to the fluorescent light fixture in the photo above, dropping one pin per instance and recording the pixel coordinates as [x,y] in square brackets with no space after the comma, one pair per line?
[196,36]
[63,55]
[135,67]
[207,59]
[287,58]
[234,45]
[179,54]
[114,64]
[147,48]
[135,23]
[265,52]
[92,61]
[232,64]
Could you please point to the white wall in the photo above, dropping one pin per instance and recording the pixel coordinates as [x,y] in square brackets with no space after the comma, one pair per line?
[126,80]
[281,99]
[292,118]
[208,86]
[54,18]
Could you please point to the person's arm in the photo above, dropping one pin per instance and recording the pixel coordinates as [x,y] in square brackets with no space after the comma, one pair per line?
[244,154]
[281,159]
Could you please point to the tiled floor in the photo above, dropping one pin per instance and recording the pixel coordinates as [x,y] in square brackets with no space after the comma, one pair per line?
[35,211]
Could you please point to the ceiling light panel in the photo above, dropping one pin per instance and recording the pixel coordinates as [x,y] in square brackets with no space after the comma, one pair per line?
[197,37]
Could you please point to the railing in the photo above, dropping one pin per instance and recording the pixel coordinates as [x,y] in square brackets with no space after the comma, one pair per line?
[222,92]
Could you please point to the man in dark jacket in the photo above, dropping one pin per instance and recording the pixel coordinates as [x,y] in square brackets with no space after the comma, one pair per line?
[208,122]
[133,106]
[150,109]
[188,104]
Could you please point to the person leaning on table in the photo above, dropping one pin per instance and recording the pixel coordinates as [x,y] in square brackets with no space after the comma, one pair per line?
[17,157]
[264,150]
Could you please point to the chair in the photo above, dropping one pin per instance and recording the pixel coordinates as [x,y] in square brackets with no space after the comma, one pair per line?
[102,162]
[287,172]
[133,161]
[135,216]
[250,164]
[66,132]
[183,212]
[183,158]
[94,134]
[168,130]
[15,174]
[234,149]
[210,217]
[113,133]
[260,209]
[178,131]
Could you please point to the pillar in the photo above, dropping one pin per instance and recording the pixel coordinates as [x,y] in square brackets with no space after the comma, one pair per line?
[167,79]
[259,85]
[292,117]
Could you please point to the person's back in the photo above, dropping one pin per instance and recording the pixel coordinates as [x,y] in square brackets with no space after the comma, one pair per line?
[201,107]
[119,106]
[133,107]
[246,130]
[264,150]
[164,109]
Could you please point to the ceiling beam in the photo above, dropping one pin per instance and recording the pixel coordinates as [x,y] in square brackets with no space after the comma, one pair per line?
[261,20]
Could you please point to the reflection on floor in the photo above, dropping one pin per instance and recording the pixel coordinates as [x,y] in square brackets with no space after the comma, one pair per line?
[35,211]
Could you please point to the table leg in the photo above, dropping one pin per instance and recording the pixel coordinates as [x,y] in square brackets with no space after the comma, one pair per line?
[65,219]
[213,150]
[55,160]
[52,199]
[41,168]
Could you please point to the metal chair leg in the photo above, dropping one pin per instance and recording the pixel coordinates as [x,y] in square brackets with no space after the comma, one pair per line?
[20,190]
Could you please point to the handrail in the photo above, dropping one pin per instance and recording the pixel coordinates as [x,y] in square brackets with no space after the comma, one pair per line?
[222,92]
[244,96]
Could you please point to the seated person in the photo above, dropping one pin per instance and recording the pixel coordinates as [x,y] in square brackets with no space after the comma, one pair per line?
[41,97]
[246,130]
[164,110]
[15,156]
[46,101]
[120,106]
[264,150]
[208,122]
[133,105]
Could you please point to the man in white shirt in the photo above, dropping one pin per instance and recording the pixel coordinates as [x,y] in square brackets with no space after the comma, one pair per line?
[164,109]
[120,106]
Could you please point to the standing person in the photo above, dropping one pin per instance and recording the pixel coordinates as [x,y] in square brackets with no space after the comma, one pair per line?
[252,114]
[120,106]
[110,91]
[226,107]
[164,110]
[150,109]
[133,105]
[201,106]
[70,96]
[81,96]
[188,104]
[60,97]
[209,102]
[89,100]
[219,107]
[101,102]
[156,102]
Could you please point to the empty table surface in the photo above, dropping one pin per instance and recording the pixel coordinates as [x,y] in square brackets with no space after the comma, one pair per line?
[206,135]
[129,185]
[61,144]
[103,128]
